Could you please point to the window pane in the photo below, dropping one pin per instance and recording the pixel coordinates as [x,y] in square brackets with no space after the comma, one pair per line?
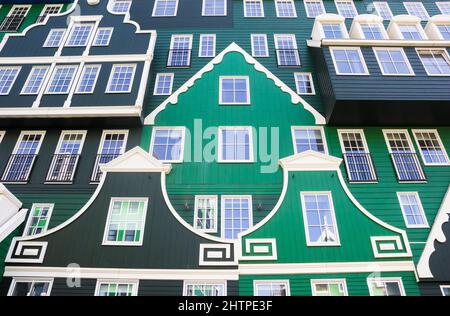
[168,144]
[237,216]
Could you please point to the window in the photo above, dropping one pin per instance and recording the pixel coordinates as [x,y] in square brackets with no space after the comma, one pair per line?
[180,51]
[417,9]
[121,79]
[285,9]
[234,90]
[372,31]
[237,215]
[304,83]
[204,288]
[235,144]
[412,210]
[61,80]
[259,45]
[38,219]
[444,7]
[382,9]
[163,85]
[67,154]
[126,221]
[319,219]
[329,287]
[24,154]
[287,52]
[79,34]
[386,287]
[35,80]
[112,145]
[358,160]
[411,32]
[205,216]
[253,8]
[207,45]
[8,76]
[165,8]
[444,29]
[30,287]
[393,61]
[120,6]
[431,148]
[403,156]
[14,19]
[436,62]
[271,288]
[103,36]
[88,79]
[54,37]
[332,30]
[445,289]
[348,61]
[314,8]
[214,7]
[168,143]
[308,138]
[346,8]
[116,288]
[48,9]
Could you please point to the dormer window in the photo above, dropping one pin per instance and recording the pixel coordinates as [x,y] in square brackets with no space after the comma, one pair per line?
[438,28]
[410,32]
[372,31]
[332,30]
[329,26]
[369,27]
[444,29]
[406,27]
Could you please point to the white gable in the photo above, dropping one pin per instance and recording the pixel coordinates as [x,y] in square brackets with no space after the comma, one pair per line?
[310,161]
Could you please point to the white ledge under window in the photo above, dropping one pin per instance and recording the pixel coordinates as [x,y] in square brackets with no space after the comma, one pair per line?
[397,21]
[318,32]
[432,30]
[356,30]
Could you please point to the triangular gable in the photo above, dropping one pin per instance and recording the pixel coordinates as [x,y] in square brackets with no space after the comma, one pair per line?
[233,47]
[310,161]
[136,160]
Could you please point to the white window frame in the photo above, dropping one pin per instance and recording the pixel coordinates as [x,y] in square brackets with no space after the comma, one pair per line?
[313,90]
[108,87]
[355,131]
[72,29]
[444,53]
[361,57]
[111,6]
[422,212]
[310,243]
[399,281]
[59,6]
[65,132]
[46,43]
[20,138]
[375,5]
[405,131]
[220,143]
[284,282]
[113,131]
[54,74]
[294,47]
[19,68]
[50,206]
[164,16]
[186,283]
[442,287]
[2,134]
[418,26]
[216,214]
[350,2]
[158,75]
[97,34]
[30,280]
[307,11]
[172,44]
[286,17]
[261,2]
[342,27]
[107,242]
[204,8]
[319,128]
[246,78]
[16,6]
[202,43]
[408,9]
[266,53]
[441,144]
[99,67]
[134,283]
[371,23]
[222,212]
[183,141]
[314,282]
[29,79]
[405,58]
[438,4]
